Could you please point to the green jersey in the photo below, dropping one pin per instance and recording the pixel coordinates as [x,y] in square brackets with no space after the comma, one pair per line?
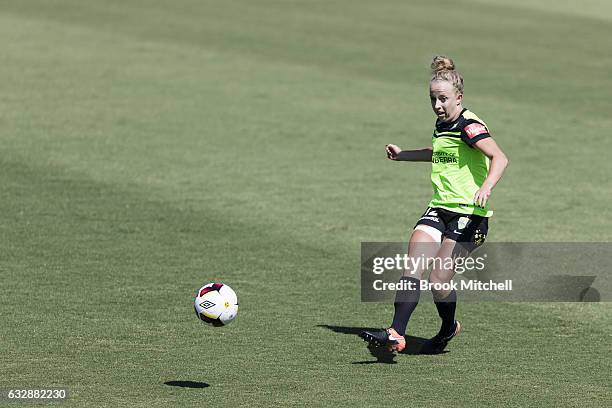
[458,169]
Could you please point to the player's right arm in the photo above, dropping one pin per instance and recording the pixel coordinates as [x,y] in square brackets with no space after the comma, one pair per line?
[395,153]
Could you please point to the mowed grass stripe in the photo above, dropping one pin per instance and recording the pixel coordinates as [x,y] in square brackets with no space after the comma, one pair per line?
[123,107]
[125,321]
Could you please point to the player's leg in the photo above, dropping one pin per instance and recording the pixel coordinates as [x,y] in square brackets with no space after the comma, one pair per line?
[440,278]
[424,244]
[464,234]
[445,299]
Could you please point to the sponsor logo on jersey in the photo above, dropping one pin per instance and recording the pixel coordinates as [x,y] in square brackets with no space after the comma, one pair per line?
[475,129]
[443,157]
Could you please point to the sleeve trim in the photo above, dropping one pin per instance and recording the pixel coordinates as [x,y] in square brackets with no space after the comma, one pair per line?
[478,138]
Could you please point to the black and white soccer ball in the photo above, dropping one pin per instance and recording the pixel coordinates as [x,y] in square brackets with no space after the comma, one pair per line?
[216,304]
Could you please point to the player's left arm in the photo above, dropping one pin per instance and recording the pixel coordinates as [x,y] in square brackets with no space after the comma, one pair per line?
[499,162]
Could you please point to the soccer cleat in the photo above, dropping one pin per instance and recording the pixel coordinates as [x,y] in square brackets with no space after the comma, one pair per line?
[388,338]
[438,343]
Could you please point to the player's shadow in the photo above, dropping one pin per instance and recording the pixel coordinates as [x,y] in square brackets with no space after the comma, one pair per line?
[187,384]
[414,345]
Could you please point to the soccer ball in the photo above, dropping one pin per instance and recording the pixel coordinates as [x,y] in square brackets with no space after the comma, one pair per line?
[216,304]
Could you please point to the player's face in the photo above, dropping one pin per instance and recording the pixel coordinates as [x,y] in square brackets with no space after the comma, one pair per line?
[445,100]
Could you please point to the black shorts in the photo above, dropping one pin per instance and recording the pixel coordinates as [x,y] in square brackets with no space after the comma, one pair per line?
[469,229]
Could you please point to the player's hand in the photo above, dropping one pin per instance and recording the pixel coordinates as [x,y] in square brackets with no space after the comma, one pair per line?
[392,151]
[481,196]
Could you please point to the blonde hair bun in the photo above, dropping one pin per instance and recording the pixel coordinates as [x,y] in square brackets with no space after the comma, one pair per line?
[443,69]
[442,63]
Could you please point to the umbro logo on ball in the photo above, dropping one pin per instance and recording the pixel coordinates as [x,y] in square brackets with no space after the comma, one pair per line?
[207,304]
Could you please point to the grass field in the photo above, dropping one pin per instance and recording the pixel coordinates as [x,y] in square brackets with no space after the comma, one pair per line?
[148,147]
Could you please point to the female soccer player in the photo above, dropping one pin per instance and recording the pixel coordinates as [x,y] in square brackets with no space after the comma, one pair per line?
[466,165]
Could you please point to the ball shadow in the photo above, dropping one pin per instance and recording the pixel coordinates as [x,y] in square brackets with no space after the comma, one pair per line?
[187,384]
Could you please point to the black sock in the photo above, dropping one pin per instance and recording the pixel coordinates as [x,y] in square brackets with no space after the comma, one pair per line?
[446,309]
[405,303]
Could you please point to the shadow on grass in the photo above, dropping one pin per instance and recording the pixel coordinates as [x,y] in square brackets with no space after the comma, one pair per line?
[187,384]
[414,345]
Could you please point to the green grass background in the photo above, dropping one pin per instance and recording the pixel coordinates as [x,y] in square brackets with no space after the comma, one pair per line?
[148,147]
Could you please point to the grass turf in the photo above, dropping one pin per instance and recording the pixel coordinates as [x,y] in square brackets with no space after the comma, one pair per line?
[150,147]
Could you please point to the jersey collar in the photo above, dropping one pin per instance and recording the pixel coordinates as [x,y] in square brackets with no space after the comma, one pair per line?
[446,126]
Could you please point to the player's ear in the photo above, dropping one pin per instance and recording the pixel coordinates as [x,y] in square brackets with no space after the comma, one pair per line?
[459,98]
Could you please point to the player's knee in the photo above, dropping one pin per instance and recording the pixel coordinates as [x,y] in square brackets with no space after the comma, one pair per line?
[438,277]
[440,287]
